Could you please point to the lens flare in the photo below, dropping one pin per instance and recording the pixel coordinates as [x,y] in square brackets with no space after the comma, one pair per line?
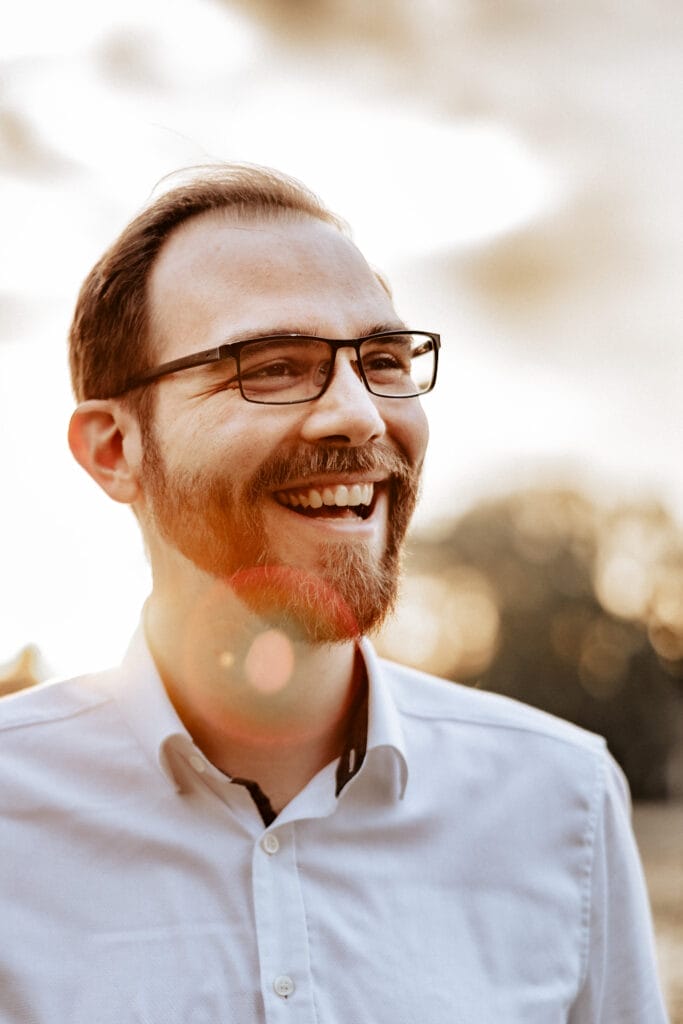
[270,662]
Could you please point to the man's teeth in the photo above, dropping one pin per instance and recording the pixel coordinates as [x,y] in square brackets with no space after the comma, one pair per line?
[340,496]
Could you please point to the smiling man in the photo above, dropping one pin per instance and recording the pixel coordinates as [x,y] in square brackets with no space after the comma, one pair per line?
[254,818]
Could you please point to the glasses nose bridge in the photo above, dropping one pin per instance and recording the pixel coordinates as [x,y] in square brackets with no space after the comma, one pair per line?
[336,344]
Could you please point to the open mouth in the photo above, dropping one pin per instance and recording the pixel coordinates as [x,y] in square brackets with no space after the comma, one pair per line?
[343,501]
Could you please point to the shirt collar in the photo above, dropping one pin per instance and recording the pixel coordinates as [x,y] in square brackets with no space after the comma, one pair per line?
[385,731]
[144,703]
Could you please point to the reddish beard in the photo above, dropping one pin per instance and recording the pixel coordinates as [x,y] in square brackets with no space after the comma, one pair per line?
[220,528]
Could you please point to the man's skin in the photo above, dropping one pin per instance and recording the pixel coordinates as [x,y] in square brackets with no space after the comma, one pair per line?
[262,699]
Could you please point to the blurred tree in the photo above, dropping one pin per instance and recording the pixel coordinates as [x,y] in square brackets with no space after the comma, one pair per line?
[25,670]
[589,615]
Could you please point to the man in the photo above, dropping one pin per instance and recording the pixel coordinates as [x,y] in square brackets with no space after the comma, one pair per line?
[253,818]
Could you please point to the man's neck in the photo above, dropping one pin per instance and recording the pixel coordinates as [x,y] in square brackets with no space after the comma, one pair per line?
[259,704]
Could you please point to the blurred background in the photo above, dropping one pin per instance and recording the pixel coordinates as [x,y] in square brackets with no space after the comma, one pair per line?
[514,168]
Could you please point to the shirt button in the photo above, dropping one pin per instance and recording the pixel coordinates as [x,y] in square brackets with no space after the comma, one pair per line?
[270,842]
[197,763]
[283,985]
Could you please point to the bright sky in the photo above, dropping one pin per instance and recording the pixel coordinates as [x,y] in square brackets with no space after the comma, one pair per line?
[74,575]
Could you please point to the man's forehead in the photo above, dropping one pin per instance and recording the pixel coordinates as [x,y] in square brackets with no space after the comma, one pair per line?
[220,246]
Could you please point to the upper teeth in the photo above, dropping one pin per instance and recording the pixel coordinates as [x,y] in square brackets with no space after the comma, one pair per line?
[356,494]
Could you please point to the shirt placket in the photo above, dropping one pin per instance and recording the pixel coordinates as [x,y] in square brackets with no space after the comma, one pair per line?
[281,929]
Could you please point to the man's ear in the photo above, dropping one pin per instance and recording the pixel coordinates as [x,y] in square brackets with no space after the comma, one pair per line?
[104,438]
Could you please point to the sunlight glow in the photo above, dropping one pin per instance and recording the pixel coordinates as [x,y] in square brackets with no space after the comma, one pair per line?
[270,662]
[98,107]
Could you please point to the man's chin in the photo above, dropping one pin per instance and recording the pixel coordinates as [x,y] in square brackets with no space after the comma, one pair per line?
[310,608]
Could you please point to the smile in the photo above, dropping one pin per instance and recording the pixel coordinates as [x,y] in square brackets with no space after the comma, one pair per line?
[340,501]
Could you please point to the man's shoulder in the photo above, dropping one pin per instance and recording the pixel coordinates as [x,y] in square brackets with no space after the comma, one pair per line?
[59,742]
[421,696]
[52,702]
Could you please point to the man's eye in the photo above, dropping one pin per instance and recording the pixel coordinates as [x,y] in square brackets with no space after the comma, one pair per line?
[273,370]
[381,361]
[391,362]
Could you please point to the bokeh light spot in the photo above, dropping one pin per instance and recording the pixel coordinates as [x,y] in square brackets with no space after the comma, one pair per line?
[445,625]
[270,662]
[604,659]
[624,585]
[226,659]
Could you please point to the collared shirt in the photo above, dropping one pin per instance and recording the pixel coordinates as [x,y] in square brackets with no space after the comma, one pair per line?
[479,868]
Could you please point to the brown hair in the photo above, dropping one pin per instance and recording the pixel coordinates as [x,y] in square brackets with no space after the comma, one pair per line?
[109,335]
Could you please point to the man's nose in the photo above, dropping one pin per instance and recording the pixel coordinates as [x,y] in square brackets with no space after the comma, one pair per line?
[346,412]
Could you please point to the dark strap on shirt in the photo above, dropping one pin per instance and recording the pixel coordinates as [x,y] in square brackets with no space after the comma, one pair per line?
[355,747]
[262,802]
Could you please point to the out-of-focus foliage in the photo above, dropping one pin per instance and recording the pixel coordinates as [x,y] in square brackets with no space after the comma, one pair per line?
[545,597]
[25,670]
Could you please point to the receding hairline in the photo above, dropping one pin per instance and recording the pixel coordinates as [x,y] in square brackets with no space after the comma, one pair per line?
[249,218]
[295,204]
[245,184]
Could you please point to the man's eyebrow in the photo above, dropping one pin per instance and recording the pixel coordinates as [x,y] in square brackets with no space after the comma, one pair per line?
[385,325]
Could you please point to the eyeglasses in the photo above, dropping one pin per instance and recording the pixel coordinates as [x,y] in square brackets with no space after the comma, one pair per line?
[285,369]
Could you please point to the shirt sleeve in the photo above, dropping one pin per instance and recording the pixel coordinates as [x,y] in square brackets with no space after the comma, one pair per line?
[620,983]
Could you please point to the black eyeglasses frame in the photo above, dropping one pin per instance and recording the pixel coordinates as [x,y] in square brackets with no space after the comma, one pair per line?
[215,355]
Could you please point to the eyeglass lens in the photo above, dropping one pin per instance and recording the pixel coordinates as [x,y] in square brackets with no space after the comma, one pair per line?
[282,370]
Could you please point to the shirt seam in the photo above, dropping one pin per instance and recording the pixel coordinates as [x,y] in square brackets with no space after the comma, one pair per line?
[589,842]
[592,744]
[26,723]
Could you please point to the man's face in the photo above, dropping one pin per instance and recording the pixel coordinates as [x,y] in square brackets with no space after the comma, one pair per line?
[233,486]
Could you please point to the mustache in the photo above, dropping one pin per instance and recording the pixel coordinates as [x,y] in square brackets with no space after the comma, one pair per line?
[299,462]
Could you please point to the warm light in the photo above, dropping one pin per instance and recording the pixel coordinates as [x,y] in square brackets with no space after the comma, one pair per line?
[623,585]
[445,625]
[667,604]
[99,103]
[270,662]
[604,658]
[666,618]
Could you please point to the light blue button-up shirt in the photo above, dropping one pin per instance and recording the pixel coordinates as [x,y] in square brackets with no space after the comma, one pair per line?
[479,869]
